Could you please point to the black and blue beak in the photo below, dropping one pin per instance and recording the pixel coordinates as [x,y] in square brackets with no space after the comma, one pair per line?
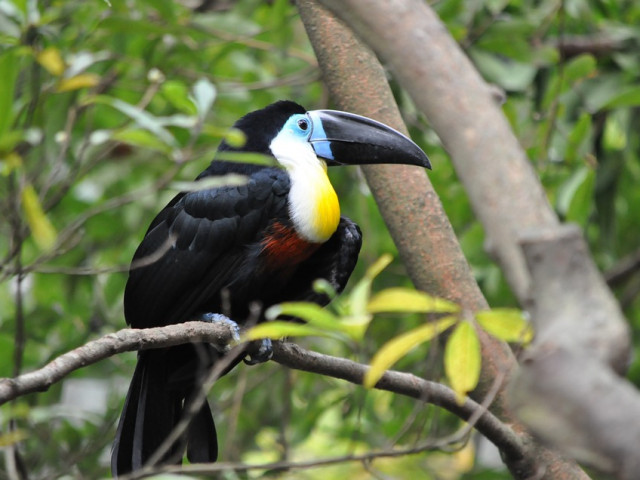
[342,138]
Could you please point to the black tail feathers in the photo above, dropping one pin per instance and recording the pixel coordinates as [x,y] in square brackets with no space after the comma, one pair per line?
[163,383]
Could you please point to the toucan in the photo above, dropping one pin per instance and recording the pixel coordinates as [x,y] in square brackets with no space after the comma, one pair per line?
[226,249]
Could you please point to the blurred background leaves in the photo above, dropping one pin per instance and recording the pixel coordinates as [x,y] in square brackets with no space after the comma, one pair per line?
[103,104]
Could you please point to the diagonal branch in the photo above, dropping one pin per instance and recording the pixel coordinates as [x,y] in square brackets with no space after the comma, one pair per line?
[290,355]
[412,41]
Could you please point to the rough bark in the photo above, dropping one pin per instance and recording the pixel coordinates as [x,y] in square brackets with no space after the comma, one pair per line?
[567,390]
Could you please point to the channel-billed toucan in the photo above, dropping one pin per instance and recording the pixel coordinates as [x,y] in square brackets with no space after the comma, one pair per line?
[222,249]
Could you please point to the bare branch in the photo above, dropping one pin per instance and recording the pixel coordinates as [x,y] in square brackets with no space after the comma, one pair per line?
[126,340]
[286,354]
[238,467]
[571,46]
[293,356]
[623,270]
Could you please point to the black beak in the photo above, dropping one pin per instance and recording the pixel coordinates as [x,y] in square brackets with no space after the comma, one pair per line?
[342,138]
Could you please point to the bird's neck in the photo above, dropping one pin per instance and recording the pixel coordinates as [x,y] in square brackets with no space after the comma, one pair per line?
[313,203]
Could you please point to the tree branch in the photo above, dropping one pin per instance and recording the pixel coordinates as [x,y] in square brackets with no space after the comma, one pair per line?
[126,340]
[290,355]
[569,365]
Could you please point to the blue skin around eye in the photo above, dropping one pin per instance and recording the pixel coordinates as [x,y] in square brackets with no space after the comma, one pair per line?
[322,148]
[314,134]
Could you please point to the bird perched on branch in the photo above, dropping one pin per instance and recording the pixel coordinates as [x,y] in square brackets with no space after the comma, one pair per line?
[223,249]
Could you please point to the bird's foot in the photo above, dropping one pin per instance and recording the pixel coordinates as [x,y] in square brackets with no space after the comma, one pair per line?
[259,351]
[219,318]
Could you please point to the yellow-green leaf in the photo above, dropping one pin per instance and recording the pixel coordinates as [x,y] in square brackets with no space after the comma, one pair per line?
[9,162]
[361,292]
[462,359]
[311,313]
[319,317]
[12,437]
[507,324]
[215,181]
[51,60]
[277,330]
[43,232]
[83,80]
[408,300]
[399,346]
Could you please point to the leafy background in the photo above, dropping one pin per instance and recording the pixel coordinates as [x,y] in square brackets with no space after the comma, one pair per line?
[104,104]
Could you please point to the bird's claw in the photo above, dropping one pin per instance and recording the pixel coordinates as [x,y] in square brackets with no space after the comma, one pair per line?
[219,318]
[260,351]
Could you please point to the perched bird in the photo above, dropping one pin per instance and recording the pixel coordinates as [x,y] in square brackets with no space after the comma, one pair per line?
[222,249]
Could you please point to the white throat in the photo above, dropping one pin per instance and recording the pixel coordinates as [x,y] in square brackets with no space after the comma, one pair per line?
[313,203]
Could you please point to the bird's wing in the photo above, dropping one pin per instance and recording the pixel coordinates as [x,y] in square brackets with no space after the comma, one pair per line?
[196,245]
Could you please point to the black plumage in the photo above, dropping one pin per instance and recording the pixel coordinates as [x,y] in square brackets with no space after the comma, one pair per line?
[223,250]
[205,252]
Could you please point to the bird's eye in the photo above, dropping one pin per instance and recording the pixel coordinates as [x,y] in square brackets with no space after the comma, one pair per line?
[303,124]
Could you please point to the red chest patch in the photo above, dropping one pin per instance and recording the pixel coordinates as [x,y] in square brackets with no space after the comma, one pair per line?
[283,247]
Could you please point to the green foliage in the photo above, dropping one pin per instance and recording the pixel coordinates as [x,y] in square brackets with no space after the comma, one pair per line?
[462,359]
[106,106]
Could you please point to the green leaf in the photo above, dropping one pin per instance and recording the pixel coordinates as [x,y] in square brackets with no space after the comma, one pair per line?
[41,228]
[507,324]
[278,330]
[311,313]
[399,346]
[246,157]
[628,97]
[177,93]
[407,300]
[581,204]
[141,138]
[574,200]
[579,68]
[229,180]
[509,74]
[578,136]
[143,118]
[359,298]
[462,360]
[615,135]
[321,318]
[358,317]
[9,68]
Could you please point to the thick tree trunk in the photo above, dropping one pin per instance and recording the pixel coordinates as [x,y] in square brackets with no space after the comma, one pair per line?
[415,216]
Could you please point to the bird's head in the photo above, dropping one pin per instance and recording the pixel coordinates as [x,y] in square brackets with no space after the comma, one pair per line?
[305,143]
[288,132]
